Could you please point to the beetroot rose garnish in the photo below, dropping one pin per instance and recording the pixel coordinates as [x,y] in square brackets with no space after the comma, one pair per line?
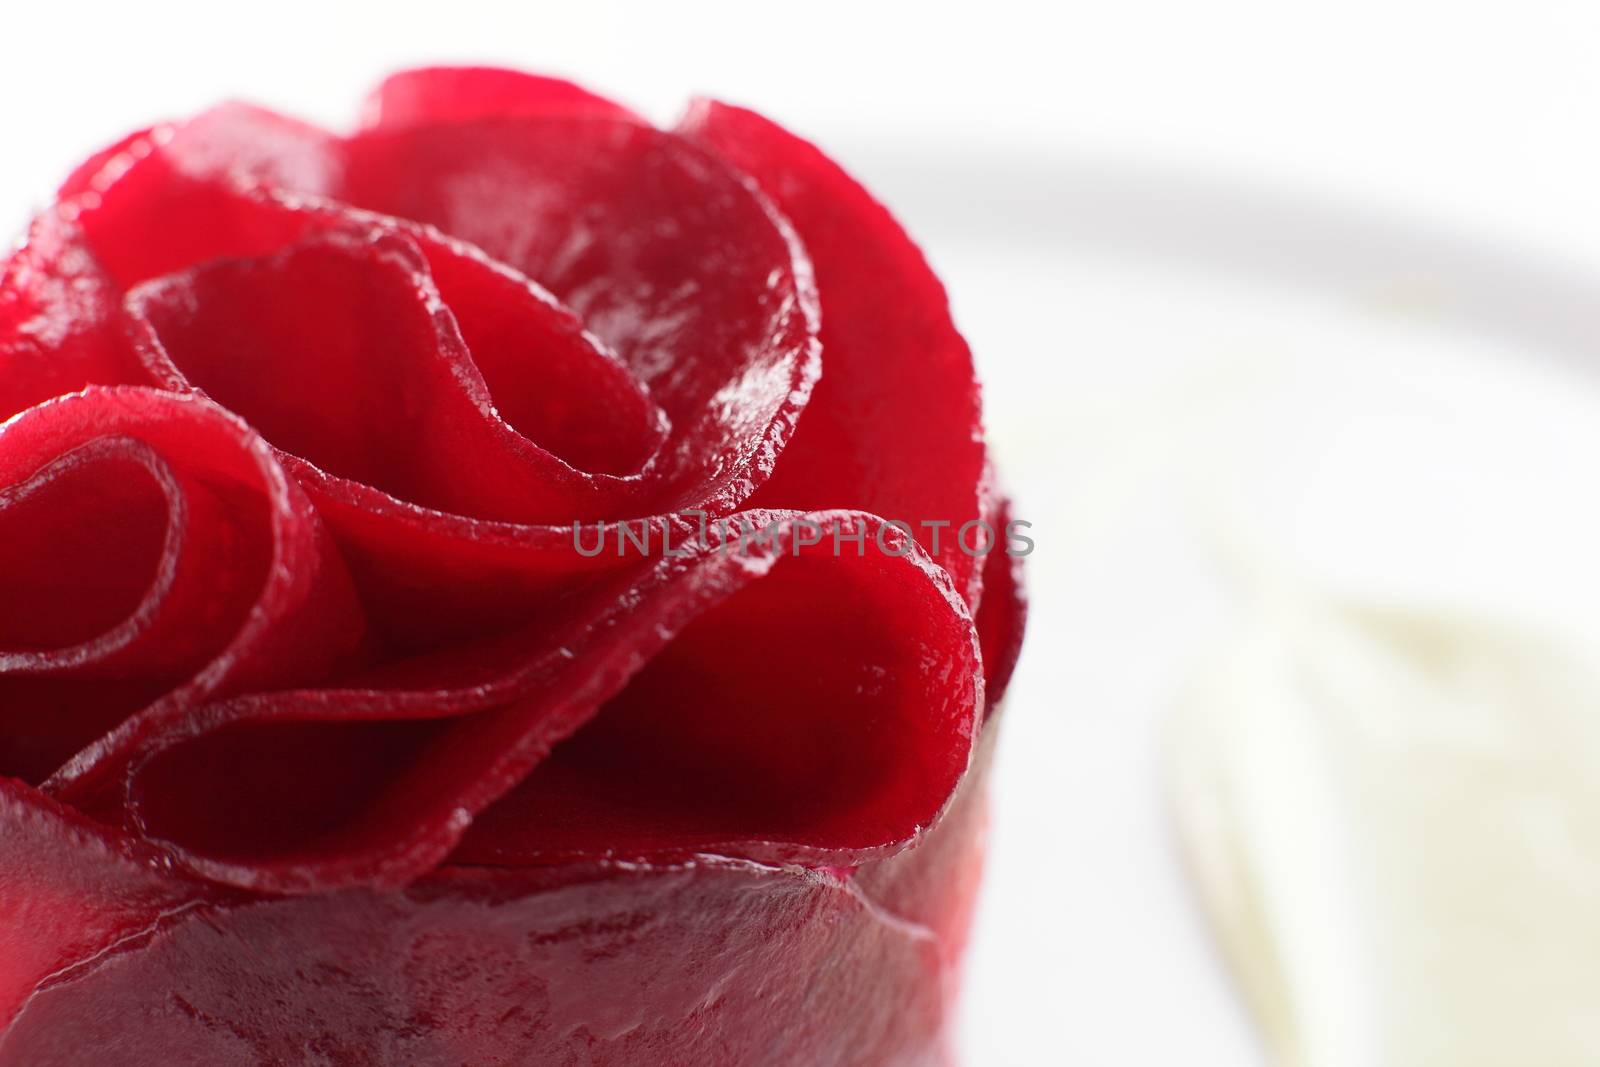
[487,588]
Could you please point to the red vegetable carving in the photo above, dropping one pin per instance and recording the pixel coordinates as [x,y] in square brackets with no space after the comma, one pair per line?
[326,733]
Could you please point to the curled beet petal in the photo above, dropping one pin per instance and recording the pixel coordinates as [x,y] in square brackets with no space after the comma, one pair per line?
[1002,613]
[895,425]
[777,724]
[717,703]
[93,173]
[164,558]
[935,885]
[663,251]
[546,374]
[157,207]
[403,408]
[665,256]
[254,146]
[436,95]
[60,319]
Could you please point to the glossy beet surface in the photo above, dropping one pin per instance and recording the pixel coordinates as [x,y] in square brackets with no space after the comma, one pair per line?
[323,738]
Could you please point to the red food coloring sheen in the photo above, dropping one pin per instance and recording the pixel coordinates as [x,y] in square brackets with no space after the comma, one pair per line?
[318,731]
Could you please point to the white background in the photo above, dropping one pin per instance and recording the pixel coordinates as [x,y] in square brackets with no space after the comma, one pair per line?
[1290,250]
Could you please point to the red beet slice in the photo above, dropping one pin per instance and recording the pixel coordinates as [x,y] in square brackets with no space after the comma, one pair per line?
[663,252]
[254,146]
[164,559]
[402,406]
[548,376]
[71,892]
[714,313]
[712,962]
[774,726]
[94,173]
[895,425]
[177,197]
[60,319]
[1002,615]
[434,95]
[853,756]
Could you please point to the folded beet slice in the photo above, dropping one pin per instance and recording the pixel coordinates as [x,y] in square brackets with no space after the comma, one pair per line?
[60,319]
[428,577]
[662,253]
[157,556]
[774,726]
[1002,614]
[342,352]
[665,254]
[895,425]
[94,173]
[255,146]
[170,200]
[432,95]
[548,377]
[92,612]
[428,574]
[507,352]
[624,964]
[853,753]
[935,886]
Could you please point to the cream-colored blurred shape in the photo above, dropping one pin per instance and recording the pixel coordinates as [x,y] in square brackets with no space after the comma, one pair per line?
[1394,824]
